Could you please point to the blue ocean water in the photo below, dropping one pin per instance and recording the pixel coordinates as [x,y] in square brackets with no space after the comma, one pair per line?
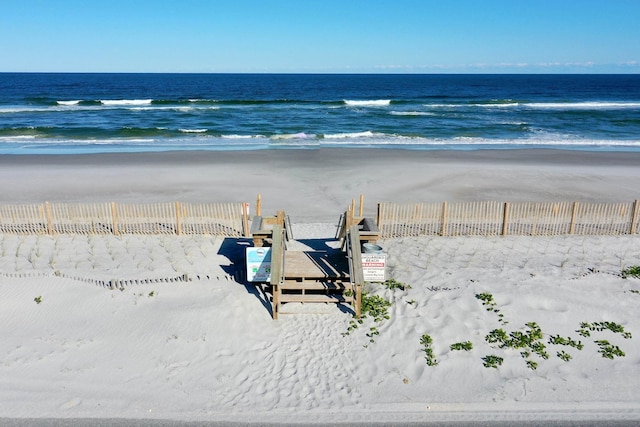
[63,113]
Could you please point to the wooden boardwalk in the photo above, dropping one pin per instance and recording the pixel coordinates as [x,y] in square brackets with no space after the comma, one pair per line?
[316,265]
[315,276]
[316,272]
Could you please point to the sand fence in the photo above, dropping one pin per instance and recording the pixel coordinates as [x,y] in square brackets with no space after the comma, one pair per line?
[219,219]
[483,218]
[503,218]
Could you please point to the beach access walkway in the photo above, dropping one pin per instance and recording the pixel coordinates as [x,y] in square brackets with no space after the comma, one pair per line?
[314,271]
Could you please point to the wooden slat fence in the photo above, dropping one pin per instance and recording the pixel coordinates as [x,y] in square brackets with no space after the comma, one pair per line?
[497,218]
[195,219]
[472,219]
[415,219]
[221,219]
[544,219]
[23,219]
[78,218]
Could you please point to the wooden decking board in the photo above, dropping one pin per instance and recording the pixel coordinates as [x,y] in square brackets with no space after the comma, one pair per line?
[321,286]
[313,265]
[313,276]
[315,298]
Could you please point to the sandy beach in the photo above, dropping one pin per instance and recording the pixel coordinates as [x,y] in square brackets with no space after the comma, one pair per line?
[207,349]
[316,185]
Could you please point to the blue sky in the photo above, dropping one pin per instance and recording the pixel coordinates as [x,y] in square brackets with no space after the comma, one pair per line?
[321,36]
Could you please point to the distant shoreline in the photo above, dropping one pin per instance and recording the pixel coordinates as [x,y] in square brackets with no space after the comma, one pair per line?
[516,155]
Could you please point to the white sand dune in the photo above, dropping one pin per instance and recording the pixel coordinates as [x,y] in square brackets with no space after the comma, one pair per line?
[205,348]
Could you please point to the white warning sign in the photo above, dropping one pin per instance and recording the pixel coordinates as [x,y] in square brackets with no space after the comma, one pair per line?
[373,267]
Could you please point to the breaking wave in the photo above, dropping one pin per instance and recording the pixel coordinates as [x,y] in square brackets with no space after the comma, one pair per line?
[368,103]
[118,102]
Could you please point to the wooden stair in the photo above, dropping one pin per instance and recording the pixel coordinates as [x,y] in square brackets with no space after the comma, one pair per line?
[313,291]
[325,276]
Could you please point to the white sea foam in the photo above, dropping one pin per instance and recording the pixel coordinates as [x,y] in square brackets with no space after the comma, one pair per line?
[300,135]
[74,102]
[583,105]
[27,109]
[412,113]
[16,137]
[482,105]
[30,144]
[193,130]
[538,140]
[241,136]
[368,103]
[589,105]
[52,108]
[118,102]
[366,134]
[499,105]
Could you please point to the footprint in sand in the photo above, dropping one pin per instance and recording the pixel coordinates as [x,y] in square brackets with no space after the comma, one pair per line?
[71,403]
[545,304]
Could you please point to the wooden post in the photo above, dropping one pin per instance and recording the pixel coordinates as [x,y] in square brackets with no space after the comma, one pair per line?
[276,301]
[634,217]
[574,212]
[443,231]
[114,219]
[361,205]
[47,209]
[379,217]
[505,218]
[245,219]
[178,219]
[277,267]
[356,277]
[259,205]
[41,218]
[358,304]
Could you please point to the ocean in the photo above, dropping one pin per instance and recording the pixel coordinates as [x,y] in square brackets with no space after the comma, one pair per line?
[67,113]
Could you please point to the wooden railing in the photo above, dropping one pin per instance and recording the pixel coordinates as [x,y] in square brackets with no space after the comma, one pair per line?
[277,267]
[495,218]
[356,275]
[223,219]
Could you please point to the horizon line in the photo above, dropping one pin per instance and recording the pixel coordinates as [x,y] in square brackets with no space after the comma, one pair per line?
[319,73]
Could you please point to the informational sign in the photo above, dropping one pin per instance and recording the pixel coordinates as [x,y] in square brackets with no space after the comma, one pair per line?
[373,267]
[258,264]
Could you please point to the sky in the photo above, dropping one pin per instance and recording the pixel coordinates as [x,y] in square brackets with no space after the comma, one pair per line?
[320,36]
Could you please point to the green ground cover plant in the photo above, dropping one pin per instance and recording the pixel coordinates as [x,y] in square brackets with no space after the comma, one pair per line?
[530,340]
[426,341]
[394,284]
[489,303]
[492,361]
[375,307]
[563,355]
[633,271]
[586,329]
[608,350]
[465,345]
